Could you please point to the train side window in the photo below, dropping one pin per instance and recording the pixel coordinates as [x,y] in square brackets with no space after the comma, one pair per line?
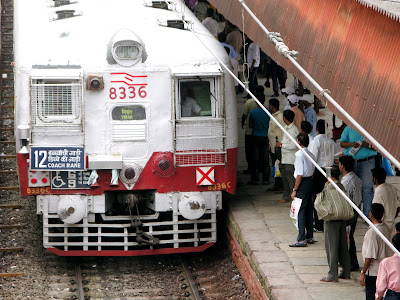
[196,98]
[56,101]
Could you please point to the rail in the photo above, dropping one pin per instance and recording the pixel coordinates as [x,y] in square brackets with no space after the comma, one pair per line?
[192,284]
[6,119]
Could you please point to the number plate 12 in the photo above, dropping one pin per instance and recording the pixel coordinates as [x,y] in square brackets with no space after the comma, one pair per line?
[57,158]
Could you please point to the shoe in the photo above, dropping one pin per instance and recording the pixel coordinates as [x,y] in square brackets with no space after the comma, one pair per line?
[253,182]
[272,189]
[341,276]
[311,241]
[326,279]
[282,201]
[298,244]
[267,84]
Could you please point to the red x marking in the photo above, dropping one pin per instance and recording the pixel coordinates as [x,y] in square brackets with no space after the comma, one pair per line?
[205,176]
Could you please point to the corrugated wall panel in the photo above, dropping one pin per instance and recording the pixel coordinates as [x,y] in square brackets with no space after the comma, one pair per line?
[350,49]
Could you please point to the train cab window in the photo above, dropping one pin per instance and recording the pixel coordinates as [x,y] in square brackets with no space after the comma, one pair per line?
[196,98]
[56,101]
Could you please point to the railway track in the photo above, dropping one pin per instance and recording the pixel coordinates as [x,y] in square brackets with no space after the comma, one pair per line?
[121,278]
[8,210]
[133,278]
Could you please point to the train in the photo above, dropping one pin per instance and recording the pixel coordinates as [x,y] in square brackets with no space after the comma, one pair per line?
[125,125]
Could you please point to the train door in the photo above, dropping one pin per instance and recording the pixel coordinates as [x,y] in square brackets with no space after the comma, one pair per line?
[199,122]
[128,116]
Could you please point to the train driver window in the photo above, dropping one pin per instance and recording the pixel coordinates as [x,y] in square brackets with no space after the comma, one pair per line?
[196,98]
[56,101]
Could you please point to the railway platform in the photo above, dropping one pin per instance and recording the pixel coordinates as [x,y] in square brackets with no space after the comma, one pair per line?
[263,230]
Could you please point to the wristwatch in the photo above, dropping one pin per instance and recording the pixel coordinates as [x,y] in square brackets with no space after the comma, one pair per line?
[362,272]
[294,190]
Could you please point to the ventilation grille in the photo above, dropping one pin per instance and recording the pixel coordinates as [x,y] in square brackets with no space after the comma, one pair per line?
[65,14]
[160,4]
[54,102]
[200,143]
[129,132]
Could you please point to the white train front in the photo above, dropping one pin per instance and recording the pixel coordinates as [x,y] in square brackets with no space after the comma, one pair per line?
[126,127]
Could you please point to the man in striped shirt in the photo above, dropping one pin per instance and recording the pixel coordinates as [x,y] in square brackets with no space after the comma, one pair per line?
[353,185]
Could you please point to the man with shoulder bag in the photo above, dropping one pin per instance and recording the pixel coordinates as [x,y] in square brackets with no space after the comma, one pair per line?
[334,209]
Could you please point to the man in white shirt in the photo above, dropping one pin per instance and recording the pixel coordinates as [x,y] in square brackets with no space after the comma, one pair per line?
[303,186]
[323,149]
[289,150]
[353,186]
[210,23]
[386,194]
[189,106]
[253,61]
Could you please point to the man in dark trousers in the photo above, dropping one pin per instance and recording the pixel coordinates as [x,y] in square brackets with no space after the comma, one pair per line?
[352,184]
[336,239]
[259,122]
[279,76]
[303,189]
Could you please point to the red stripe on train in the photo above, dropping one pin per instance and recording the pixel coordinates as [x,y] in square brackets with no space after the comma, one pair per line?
[183,180]
[130,252]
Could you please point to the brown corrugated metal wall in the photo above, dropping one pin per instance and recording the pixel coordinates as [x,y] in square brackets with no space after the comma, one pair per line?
[348,48]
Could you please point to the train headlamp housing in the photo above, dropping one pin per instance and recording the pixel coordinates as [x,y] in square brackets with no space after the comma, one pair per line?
[126,48]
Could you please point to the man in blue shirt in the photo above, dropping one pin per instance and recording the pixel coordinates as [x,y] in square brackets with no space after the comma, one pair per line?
[259,121]
[222,39]
[309,112]
[364,157]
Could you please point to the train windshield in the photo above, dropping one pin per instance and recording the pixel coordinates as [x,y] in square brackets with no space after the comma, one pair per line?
[197,98]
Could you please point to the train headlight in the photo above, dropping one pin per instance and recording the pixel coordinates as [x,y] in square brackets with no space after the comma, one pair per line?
[164,164]
[127,48]
[127,51]
[130,172]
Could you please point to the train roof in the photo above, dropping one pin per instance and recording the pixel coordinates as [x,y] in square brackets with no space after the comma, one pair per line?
[84,40]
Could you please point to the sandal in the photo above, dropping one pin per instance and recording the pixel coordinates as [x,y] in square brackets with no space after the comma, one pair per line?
[325,279]
[298,244]
[311,241]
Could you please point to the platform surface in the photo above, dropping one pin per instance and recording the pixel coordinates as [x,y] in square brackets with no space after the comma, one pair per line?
[264,230]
